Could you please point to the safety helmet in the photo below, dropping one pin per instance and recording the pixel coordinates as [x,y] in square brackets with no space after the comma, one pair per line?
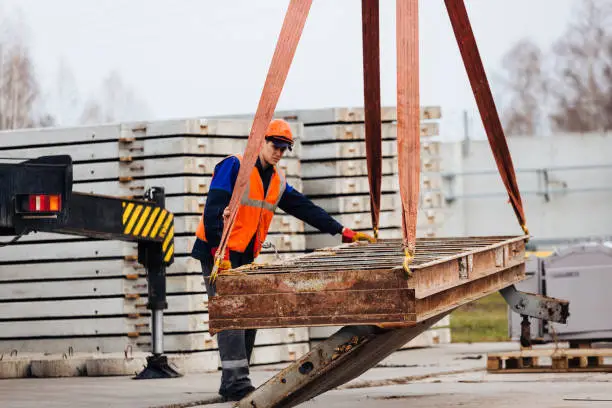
[279,133]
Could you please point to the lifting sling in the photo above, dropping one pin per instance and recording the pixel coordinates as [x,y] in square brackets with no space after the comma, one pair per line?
[408,110]
[486,105]
[372,108]
[408,114]
[286,45]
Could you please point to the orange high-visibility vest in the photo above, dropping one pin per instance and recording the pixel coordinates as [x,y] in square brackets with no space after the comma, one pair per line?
[255,212]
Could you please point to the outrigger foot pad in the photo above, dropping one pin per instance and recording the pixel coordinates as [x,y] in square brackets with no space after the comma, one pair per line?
[157,367]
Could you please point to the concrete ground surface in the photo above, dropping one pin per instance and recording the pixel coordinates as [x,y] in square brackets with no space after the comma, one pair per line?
[443,376]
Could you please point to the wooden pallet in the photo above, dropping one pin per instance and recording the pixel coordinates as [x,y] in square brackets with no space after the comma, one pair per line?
[550,361]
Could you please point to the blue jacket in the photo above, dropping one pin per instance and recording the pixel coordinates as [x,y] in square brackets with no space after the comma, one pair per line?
[292,202]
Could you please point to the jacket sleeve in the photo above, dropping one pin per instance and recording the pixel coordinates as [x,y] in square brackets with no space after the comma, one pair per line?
[295,203]
[219,195]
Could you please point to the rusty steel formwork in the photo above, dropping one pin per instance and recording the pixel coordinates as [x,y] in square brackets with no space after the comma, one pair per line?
[365,284]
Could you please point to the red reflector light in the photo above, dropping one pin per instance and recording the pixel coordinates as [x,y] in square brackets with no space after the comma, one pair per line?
[44,203]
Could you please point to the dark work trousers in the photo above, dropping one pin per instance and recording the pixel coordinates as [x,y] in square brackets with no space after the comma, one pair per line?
[235,346]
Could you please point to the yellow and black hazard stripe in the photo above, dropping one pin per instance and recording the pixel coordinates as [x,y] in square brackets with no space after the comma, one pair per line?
[150,222]
[168,244]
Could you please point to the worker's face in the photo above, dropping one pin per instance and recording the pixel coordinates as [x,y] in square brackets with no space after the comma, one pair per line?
[272,154]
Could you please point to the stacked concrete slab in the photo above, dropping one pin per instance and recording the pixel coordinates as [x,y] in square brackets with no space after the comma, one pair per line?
[439,333]
[432,204]
[76,296]
[62,294]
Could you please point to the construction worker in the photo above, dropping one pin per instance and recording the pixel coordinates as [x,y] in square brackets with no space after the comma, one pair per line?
[267,190]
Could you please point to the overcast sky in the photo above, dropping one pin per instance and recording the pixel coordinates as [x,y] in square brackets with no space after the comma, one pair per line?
[205,57]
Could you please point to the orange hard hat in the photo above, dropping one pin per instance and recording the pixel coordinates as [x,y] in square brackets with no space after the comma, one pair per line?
[280,131]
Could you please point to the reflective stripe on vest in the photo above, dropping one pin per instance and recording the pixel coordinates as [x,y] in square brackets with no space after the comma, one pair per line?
[263,203]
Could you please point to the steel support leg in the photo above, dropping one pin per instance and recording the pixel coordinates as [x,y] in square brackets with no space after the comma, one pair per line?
[538,306]
[151,256]
[525,338]
[157,331]
[344,356]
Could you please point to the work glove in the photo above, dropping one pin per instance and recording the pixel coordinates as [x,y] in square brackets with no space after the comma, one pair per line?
[348,235]
[224,263]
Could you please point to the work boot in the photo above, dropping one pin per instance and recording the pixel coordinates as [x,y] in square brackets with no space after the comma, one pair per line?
[240,395]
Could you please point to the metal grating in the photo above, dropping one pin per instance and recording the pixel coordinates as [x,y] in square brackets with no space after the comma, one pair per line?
[385,254]
[361,283]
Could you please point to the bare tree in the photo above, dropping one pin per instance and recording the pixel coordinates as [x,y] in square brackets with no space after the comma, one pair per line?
[582,82]
[525,83]
[569,89]
[92,113]
[64,102]
[114,102]
[19,89]
[22,103]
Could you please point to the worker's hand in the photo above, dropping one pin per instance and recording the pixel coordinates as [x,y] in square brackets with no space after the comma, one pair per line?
[348,235]
[226,214]
[224,263]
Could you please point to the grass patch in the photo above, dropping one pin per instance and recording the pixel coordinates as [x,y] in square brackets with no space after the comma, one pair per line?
[483,320]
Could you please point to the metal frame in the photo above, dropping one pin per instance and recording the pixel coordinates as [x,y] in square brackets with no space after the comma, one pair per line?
[538,306]
[357,284]
[342,357]
[146,222]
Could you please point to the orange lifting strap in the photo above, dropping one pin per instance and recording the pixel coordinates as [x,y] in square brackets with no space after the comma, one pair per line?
[372,109]
[408,110]
[408,114]
[279,68]
[486,105]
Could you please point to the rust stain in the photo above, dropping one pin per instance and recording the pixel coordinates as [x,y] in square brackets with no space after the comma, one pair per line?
[363,284]
[346,347]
